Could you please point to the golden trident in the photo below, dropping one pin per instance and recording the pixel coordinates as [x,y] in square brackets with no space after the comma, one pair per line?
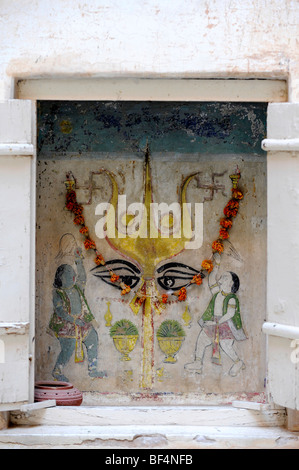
[148,249]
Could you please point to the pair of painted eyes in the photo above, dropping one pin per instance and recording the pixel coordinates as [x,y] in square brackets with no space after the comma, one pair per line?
[170,276]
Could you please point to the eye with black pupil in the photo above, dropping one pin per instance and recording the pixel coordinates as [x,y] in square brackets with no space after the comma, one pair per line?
[128,280]
[168,281]
[118,266]
[175,275]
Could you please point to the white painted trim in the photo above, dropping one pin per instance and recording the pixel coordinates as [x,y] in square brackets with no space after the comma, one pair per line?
[284,145]
[224,90]
[145,89]
[30,407]
[251,405]
[16,149]
[27,408]
[32,286]
[15,328]
[283,331]
[11,406]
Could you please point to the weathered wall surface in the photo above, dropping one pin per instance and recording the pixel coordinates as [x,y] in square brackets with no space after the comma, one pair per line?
[220,38]
[206,140]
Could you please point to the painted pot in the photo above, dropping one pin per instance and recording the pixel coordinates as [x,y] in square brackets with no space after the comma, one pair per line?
[170,346]
[64,393]
[125,344]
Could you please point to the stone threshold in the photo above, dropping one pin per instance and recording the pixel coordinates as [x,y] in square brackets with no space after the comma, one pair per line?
[148,437]
[263,416]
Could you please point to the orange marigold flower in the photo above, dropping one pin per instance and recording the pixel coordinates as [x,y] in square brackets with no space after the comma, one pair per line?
[217,245]
[89,244]
[71,196]
[197,279]
[77,209]
[84,229]
[79,220]
[70,206]
[230,211]
[233,204]
[207,265]
[164,298]
[114,277]
[126,289]
[237,194]
[226,223]
[223,234]
[182,294]
[140,300]
[99,260]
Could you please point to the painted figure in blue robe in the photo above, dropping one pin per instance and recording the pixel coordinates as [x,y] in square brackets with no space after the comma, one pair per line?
[72,321]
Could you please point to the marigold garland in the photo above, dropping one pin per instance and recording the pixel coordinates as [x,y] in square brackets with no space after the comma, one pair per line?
[89,244]
[197,279]
[79,220]
[125,289]
[223,233]
[217,245]
[207,265]
[182,294]
[83,230]
[114,277]
[230,211]
[99,260]
[140,300]
[237,194]
[231,208]
[226,223]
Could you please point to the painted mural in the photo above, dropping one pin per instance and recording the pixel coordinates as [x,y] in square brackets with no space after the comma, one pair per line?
[151,240]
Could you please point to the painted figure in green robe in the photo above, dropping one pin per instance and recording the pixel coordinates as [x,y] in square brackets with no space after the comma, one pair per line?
[221,323]
[72,321]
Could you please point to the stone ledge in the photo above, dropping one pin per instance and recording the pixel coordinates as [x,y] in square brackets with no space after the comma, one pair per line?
[147,437]
[149,415]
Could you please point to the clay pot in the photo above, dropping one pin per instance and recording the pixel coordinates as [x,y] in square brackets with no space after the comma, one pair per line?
[64,393]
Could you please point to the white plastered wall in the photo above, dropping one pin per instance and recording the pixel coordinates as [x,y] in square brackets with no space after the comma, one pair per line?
[165,38]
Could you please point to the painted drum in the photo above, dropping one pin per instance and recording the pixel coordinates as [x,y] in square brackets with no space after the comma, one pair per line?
[64,393]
